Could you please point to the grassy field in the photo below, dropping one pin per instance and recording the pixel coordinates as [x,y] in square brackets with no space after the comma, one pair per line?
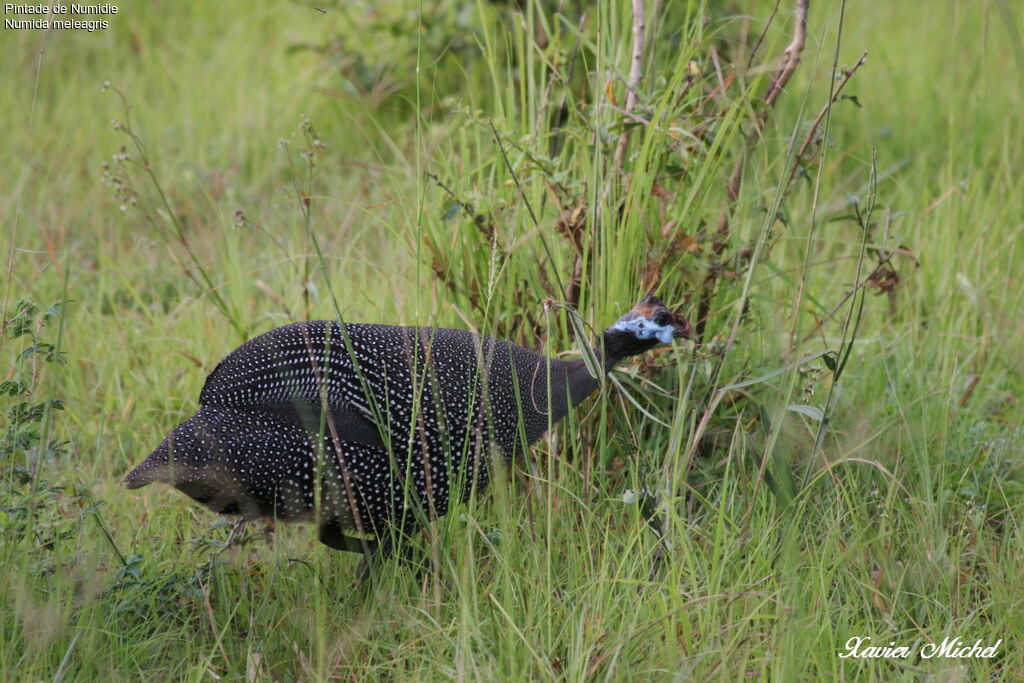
[842,456]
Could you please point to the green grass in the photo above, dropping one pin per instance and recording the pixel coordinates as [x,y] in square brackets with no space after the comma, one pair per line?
[903,526]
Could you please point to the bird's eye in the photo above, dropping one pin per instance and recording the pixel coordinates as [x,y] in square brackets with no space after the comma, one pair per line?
[662,318]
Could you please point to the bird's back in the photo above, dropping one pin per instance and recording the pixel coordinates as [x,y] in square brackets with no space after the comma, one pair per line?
[389,376]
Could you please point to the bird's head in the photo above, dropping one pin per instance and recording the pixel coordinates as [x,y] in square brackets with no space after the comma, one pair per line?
[645,326]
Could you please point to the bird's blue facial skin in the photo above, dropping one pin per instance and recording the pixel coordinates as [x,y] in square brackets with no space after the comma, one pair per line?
[645,329]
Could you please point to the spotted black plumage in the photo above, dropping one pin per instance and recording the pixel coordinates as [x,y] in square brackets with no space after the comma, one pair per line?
[382,425]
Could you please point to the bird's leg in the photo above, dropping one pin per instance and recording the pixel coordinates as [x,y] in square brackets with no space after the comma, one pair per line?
[389,542]
[332,536]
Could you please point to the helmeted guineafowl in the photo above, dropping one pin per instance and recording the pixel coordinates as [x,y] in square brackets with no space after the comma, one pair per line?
[373,430]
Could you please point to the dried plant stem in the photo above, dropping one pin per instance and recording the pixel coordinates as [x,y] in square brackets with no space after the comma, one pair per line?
[636,72]
[790,59]
[791,56]
[801,153]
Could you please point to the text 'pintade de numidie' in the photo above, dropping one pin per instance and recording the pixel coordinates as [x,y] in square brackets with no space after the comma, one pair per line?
[59,16]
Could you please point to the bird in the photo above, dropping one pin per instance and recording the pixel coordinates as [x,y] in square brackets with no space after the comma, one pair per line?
[371,431]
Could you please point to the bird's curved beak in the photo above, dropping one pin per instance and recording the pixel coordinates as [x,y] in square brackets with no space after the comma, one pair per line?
[683,329]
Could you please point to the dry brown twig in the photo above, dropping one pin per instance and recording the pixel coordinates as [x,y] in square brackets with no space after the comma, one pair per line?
[791,56]
[800,155]
[790,59]
[636,72]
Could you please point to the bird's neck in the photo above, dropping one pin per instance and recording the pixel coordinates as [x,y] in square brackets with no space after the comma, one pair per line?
[580,382]
[576,381]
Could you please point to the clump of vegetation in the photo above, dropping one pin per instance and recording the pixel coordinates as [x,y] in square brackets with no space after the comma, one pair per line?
[28,443]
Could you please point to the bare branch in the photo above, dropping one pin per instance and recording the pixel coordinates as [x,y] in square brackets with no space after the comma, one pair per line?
[790,59]
[636,72]
[791,55]
[821,115]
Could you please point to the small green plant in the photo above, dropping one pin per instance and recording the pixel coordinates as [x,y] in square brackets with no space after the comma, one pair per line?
[27,440]
[32,506]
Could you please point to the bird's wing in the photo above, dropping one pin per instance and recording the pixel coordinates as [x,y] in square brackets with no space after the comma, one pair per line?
[293,371]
